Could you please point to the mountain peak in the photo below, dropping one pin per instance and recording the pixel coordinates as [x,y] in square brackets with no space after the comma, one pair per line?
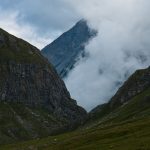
[81,22]
[65,50]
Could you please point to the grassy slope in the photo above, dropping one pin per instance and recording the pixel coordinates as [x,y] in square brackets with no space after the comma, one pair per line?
[138,106]
[19,123]
[19,51]
[127,128]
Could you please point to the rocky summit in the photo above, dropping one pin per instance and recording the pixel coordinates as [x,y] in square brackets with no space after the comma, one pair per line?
[30,85]
[64,52]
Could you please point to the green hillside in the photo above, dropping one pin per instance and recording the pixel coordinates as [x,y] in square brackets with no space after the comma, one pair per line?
[18,50]
[34,101]
[127,128]
[20,123]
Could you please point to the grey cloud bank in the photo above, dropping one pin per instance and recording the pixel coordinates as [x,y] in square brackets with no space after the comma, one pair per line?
[43,20]
[121,47]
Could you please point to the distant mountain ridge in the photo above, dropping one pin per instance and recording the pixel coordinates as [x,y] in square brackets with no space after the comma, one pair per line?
[136,84]
[64,51]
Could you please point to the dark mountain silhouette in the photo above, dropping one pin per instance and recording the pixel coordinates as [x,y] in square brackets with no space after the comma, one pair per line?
[65,50]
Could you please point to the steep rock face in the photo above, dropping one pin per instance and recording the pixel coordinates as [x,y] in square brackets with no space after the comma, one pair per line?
[36,85]
[64,51]
[27,78]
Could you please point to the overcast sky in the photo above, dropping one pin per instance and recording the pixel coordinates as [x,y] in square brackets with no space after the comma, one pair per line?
[37,21]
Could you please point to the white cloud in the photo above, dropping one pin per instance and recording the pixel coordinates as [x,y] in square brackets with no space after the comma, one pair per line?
[50,17]
[37,21]
[9,21]
[121,47]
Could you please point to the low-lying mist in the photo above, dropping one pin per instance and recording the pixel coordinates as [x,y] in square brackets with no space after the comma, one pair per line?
[121,47]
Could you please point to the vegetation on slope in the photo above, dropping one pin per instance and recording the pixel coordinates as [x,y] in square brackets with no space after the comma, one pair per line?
[19,123]
[18,50]
[32,95]
[127,128]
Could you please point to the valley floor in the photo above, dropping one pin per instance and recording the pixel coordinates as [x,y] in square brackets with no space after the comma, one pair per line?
[134,135]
